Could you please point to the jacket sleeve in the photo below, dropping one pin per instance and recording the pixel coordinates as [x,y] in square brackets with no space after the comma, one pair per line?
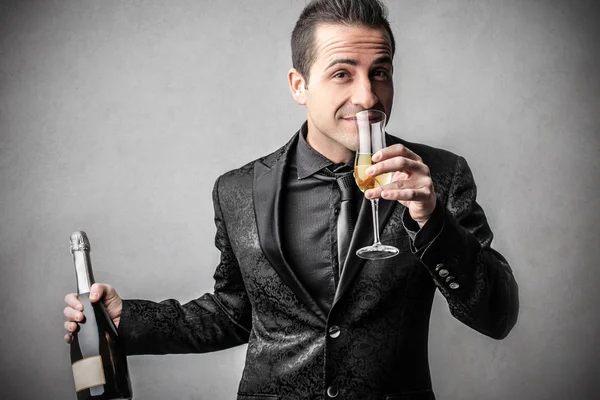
[212,322]
[475,279]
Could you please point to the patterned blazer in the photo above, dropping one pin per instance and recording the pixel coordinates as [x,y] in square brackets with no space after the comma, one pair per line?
[372,344]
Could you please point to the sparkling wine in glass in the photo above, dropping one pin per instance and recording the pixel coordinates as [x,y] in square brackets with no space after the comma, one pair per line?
[371,138]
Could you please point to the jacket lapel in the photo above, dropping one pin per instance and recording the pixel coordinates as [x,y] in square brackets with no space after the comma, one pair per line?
[268,187]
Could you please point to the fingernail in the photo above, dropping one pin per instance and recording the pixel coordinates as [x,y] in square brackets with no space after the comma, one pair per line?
[94,296]
[79,307]
[376,156]
[385,194]
[369,170]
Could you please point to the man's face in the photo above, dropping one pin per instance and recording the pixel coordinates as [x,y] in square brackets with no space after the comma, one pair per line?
[352,72]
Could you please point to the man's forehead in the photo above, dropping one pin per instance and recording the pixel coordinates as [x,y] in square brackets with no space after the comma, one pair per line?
[332,40]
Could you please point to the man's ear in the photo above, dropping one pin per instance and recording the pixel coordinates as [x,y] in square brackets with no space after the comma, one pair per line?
[297,86]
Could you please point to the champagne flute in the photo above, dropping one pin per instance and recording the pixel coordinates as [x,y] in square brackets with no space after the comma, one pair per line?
[371,138]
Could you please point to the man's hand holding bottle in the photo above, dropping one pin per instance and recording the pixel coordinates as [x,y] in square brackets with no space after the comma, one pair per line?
[74,312]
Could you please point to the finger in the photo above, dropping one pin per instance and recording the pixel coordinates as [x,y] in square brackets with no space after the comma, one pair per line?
[415,182]
[97,291]
[71,326]
[373,193]
[407,195]
[73,315]
[405,189]
[73,302]
[398,164]
[395,150]
[68,338]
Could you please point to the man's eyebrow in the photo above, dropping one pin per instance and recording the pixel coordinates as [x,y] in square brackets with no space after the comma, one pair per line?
[383,60]
[348,61]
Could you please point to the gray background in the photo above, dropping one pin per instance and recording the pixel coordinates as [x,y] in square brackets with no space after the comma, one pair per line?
[116,117]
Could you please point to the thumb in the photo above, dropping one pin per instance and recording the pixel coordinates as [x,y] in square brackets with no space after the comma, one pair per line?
[99,290]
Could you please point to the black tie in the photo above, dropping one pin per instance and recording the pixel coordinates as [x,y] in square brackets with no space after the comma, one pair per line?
[345,221]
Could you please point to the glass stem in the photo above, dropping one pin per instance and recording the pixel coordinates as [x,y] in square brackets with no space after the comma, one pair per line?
[375,212]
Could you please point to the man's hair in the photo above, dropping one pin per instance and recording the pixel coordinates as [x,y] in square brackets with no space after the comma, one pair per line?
[366,13]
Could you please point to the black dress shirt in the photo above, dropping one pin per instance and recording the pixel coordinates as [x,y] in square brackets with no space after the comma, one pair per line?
[311,207]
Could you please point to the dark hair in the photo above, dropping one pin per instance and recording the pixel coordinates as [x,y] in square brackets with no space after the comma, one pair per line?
[367,13]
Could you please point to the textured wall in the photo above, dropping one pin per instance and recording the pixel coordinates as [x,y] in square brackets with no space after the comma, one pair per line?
[116,117]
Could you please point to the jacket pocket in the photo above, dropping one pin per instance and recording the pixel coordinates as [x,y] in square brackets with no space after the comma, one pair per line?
[256,396]
[414,395]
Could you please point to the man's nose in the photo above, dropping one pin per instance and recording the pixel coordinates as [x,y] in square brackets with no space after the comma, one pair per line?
[363,94]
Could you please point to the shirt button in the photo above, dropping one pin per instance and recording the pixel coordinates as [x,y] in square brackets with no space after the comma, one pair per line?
[336,211]
[454,286]
[334,331]
[437,267]
[449,279]
[332,392]
[444,273]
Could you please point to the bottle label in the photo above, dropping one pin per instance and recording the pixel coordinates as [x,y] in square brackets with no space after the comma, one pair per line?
[88,372]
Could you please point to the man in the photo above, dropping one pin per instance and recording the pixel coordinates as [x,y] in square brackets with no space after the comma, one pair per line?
[320,323]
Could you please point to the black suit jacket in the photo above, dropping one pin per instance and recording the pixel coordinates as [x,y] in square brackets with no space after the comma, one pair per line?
[373,342]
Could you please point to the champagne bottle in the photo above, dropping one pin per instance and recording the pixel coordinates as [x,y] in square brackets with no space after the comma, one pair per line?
[97,356]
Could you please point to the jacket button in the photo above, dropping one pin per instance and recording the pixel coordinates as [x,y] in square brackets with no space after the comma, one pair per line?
[334,331]
[332,392]
[444,273]
[449,279]
[454,285]
[437,267]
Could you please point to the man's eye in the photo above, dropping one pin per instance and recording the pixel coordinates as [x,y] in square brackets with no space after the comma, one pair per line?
[340,75]
[381,74]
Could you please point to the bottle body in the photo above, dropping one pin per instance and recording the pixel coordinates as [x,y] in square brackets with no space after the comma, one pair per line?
[98,359]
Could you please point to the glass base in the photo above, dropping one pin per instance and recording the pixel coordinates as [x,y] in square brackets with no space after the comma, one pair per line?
[377,252]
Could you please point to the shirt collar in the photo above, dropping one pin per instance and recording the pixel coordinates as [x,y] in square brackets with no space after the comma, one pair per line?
[309,161]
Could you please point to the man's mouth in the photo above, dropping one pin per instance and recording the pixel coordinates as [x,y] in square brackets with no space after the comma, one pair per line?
[373,117]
